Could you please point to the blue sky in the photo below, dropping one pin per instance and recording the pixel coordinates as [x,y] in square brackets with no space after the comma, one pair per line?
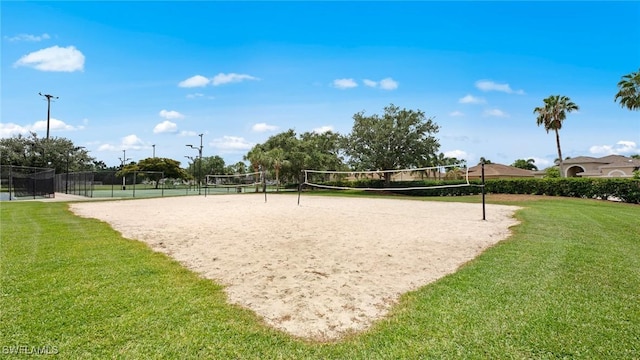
[130,75]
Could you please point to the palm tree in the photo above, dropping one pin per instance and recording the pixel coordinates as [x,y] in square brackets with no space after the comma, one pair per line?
[257,159]
[552,114]
[529,164]
[629,93]
[240,167]
[277,160]
[484,161]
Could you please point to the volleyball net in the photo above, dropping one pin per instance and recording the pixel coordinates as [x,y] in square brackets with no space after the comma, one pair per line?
[452,180]
[235,180]
[435,177]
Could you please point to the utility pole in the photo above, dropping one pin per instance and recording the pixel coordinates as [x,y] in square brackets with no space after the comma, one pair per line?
[199,162]
[124,159]
[49,97]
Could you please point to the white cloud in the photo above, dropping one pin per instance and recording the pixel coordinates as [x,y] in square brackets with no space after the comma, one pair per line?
[540,163]
[222,78]
[620,148]
[170,114]
[470,99]
[456,113]
[28,37]
[55,58]
[108,147]
[370,83]
[8,130]
[129,142]
[188,133]
[132,142]
[488,85]
[495,112]
[165,127]
[231,144]
[11,129]
[54,125]
[344,83]
[388,84]
[323,129]
[384,84]
[263,127]
[194,81]
[458,154]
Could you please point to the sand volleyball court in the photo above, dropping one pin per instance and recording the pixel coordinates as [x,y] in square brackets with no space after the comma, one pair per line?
[318,270]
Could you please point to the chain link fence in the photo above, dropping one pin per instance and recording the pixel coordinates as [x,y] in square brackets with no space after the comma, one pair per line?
[20,182]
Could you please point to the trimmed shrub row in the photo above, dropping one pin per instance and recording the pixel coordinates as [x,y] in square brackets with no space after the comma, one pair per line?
[622,189]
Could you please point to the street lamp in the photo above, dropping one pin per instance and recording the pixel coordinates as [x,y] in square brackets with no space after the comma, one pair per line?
[154,150]
[124,159]
[199,162]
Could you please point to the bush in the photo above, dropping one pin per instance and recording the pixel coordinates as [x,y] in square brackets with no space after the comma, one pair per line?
[626,190]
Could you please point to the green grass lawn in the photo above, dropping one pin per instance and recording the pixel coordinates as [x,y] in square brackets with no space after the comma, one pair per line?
[565,285]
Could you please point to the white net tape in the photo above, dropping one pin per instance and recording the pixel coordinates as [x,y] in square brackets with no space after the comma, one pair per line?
[236,180]
[445,172]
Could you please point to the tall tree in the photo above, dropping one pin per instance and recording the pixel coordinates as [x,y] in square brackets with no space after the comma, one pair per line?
[324,149]
[213,165]
[551,116]
[397,139]
[629,91]
[150,168]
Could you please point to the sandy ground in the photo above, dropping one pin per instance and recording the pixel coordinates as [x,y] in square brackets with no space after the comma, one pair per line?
[317,270]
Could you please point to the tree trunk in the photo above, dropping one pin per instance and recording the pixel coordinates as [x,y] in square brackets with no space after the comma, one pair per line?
[387,179]
[560,161]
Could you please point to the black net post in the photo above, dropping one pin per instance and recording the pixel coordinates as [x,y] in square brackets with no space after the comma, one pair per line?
[300,185]
[264,183]
[484,217]
[10,180]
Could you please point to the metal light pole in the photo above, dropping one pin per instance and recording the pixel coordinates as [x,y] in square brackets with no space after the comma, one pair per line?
[154,150]
[124,159]
[199,162]
[49,97]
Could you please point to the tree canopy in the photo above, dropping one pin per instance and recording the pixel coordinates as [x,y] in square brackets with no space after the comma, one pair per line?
[150,168]
[529,164]
[397,139]
[56,153]
[629,91]
[286,154]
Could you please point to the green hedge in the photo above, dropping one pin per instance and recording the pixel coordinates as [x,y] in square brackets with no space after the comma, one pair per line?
[626,190]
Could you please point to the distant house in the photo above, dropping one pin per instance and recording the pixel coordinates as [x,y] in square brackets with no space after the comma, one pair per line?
[604,167]
[498,171]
